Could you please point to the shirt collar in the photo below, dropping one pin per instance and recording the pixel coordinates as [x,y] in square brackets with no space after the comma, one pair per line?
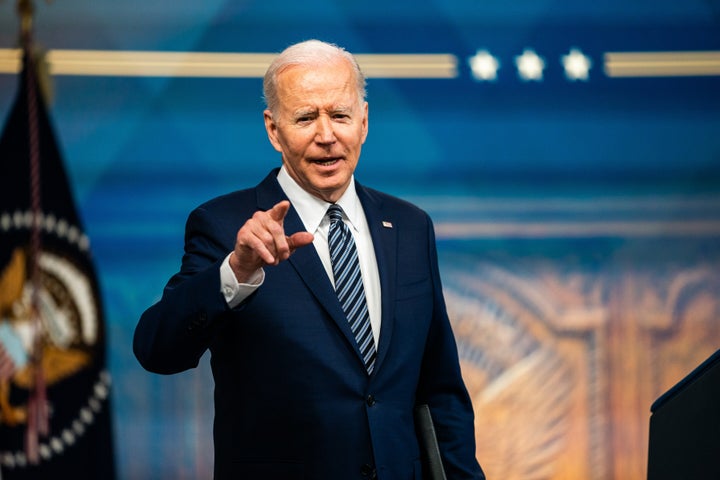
[311,209]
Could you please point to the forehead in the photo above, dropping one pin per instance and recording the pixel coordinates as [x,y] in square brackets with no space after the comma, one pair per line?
[332,84]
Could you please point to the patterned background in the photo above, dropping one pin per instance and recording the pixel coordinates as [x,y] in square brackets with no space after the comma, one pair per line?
[578,220]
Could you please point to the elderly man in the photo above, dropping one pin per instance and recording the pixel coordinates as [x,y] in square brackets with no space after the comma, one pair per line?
[320,301]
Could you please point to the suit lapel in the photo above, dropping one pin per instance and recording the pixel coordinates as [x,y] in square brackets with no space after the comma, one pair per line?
[384,237]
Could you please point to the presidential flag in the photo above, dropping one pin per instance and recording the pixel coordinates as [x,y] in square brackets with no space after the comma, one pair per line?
[55,413]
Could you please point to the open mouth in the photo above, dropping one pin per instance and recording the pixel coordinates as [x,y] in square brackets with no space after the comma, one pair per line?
[327,162]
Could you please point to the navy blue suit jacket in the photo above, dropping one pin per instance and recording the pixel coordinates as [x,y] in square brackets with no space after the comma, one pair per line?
[292,397]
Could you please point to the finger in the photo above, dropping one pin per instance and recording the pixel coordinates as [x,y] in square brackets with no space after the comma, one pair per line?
[268,228]
[279,210]
[251,245]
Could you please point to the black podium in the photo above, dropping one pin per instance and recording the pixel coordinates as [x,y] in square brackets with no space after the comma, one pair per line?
[685,427]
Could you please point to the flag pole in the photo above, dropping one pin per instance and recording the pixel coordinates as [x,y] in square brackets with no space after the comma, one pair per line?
[37,414]
[26,10]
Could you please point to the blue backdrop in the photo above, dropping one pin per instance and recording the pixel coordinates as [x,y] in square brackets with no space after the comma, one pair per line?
[504,153]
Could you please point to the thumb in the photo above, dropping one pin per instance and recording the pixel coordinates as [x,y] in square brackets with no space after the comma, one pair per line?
[299,239]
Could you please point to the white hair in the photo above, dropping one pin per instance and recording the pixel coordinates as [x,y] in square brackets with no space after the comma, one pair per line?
[313,53]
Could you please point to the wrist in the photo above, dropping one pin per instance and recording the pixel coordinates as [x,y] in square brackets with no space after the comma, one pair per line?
[242,274]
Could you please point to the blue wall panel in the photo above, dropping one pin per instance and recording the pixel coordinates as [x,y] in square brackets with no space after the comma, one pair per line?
[574,173]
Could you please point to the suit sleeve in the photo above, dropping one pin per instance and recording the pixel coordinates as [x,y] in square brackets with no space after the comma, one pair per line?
[442,386]
[173,334]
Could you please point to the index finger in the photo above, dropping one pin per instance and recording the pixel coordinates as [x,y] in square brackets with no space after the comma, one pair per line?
[279,210]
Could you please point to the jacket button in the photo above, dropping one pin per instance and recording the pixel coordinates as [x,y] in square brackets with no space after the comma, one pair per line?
[370,400]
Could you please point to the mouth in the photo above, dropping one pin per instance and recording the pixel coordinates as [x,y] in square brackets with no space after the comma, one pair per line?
[327,162]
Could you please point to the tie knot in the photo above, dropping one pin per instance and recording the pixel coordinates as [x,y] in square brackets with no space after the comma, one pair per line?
[334,212]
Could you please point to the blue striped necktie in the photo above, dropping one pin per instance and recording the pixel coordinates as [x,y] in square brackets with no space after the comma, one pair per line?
[348,284]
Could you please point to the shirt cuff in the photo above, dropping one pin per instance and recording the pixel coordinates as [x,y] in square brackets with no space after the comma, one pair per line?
[233,291]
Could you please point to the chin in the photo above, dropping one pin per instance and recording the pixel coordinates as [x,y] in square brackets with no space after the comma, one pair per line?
[330,193]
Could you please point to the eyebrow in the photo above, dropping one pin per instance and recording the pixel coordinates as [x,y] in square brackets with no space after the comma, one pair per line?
[314,111]
[304,111]
[341,109]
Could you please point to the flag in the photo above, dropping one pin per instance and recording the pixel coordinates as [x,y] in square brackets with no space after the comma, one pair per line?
[55,409]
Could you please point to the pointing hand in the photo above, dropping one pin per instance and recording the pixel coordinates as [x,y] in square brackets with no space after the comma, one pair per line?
[261,241]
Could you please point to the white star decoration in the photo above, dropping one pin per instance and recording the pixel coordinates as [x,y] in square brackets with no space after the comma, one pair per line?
[484,66]
[530,65]
[577,65]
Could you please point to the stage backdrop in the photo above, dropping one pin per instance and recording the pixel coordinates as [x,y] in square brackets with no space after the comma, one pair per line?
[569,153]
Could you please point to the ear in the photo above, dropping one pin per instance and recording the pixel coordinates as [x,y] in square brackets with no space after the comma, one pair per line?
[272,130]
[365,122]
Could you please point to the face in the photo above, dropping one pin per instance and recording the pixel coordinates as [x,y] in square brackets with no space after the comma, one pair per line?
[319,127]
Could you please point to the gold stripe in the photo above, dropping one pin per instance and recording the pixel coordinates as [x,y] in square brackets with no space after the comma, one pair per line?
[662,64]
[157,64]
[408,66]
[9,60]
[193,64]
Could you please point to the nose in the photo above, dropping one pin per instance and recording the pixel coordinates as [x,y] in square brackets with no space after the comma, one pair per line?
[324,133]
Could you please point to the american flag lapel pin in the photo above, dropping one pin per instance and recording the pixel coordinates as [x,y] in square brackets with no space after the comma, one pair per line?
[386,224]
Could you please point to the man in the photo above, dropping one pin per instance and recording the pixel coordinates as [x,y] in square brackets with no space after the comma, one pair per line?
[302,388]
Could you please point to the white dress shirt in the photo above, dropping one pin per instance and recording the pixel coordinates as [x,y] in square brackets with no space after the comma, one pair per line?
[311,211]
